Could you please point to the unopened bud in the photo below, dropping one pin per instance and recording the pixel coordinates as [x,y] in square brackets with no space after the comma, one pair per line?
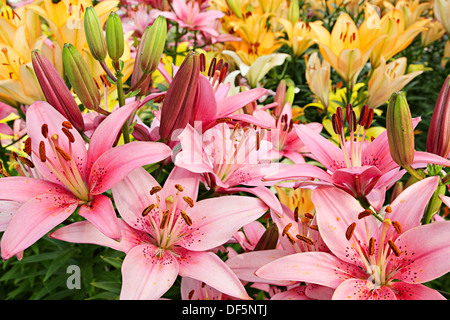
[269,239]
[293,11]
[235,6]
[279,98]
[290,94]
[55,90]
[94,34]
[438,139]
[153,42]
[114,36]
[80,77]
[400,130]
[178,107]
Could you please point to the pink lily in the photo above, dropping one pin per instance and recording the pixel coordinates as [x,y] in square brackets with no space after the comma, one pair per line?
[369,260]
[189,15]
[167,233]
[192,289]
[285,140]
[66,176]
[229,158]
[363,169]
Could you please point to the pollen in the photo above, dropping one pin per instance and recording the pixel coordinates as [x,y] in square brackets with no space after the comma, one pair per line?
[189,201]
[305,239]
[44,130]
[62,153]
[26,162]
[296,214]
[164,220]
[147,209]
[388,209]
[309,215]
[67,124]
[42,155]
[371,246]
[397,226]
[68,134]
[394,248]
[286,229]
[179,187]
[186,218]
[350,230]
[27,147]
[364,214]
[155,189]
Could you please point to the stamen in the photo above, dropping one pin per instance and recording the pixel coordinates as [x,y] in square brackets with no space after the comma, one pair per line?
[26,162]
[147,209]
[286,229]
[164,219]
[371,246]
[179,187]
[296,214]
[155,189]
[349,232]
[309,215]
[44,130]
[27,147]
[42,155]
[191,294]
[189,201]
[202,62]
[388,209]
[212,67]
[305,239]
[364,214]
[68,134]
[63,153]
[314,227]
[394,248]
[221,120]
[186,218]
[290,238]
[369,119]
[397,226]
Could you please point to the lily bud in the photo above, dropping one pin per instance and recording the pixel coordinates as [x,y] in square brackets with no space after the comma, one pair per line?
[153,40]
[280,95]
[55,90]
[438,139]
[94,34]
[178,105]
[114,36]
[293,11]
[269,239]
[80,77]
[290,94]
[400,130]
[235,6]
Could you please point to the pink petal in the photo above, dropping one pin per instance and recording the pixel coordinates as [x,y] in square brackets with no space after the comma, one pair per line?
[34,219]
[336,210]
[424,251]
[245,264]
[264,194]
[299,171]
[42,113]
[188,180]
[407,291]
[357,181]
[216,220]
[323,150]
[22,189]
[229,105]
[146,276]
[210,269]
[314,267]
[132,196]
[358,289]
[7,210]
[86,232]
[409,206]
[206,108]
[421,159]
[106,133]
[5,129]
[113,165]
[101,213]
[297,293]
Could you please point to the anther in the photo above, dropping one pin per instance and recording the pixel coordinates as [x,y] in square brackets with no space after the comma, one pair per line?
[314,227]
[191,294]
[388,209]
[309,215]
[296,214]
[62,153]
[364,214]
[305,239]
[67,124]
[26,162]
[44,130]
[179,187]
[290,238]
[147,209]
[27,147]
[42,155]
[397,226]
[164,219]
[286,229]
[186,218]
[349,231]
[68,134]
[394,248]
[371,246]
[155,189]
[189,201]
[202,62]
[369,119]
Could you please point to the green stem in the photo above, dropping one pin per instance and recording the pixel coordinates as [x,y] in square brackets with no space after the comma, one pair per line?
[413,173]
[121,96]
[366,205]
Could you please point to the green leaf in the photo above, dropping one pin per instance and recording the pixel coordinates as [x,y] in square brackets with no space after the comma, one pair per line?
[60,260]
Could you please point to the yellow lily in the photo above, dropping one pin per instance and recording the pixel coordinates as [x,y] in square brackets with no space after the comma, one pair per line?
[387,79]
[395,37]
[301,35]
[345,48]
[413,10]
[318,77]
[435,31]
[296,199]
[442,13]
[446,56]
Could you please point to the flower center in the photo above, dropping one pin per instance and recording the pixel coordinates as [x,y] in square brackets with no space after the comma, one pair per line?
[353,153]
[168,219]
[217,71]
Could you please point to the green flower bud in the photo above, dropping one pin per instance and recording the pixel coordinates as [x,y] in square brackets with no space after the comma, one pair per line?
[293,11]
[400,130]
[94,34]
[80,77]
[153,41]
[235,6]
[290,94]
[114,36]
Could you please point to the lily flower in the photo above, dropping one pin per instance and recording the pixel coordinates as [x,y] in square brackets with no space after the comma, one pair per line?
[318,77]
[346,48]
[166,233]
[371,261]
[65,176]
[228,158]
[362,168]
[442,13]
